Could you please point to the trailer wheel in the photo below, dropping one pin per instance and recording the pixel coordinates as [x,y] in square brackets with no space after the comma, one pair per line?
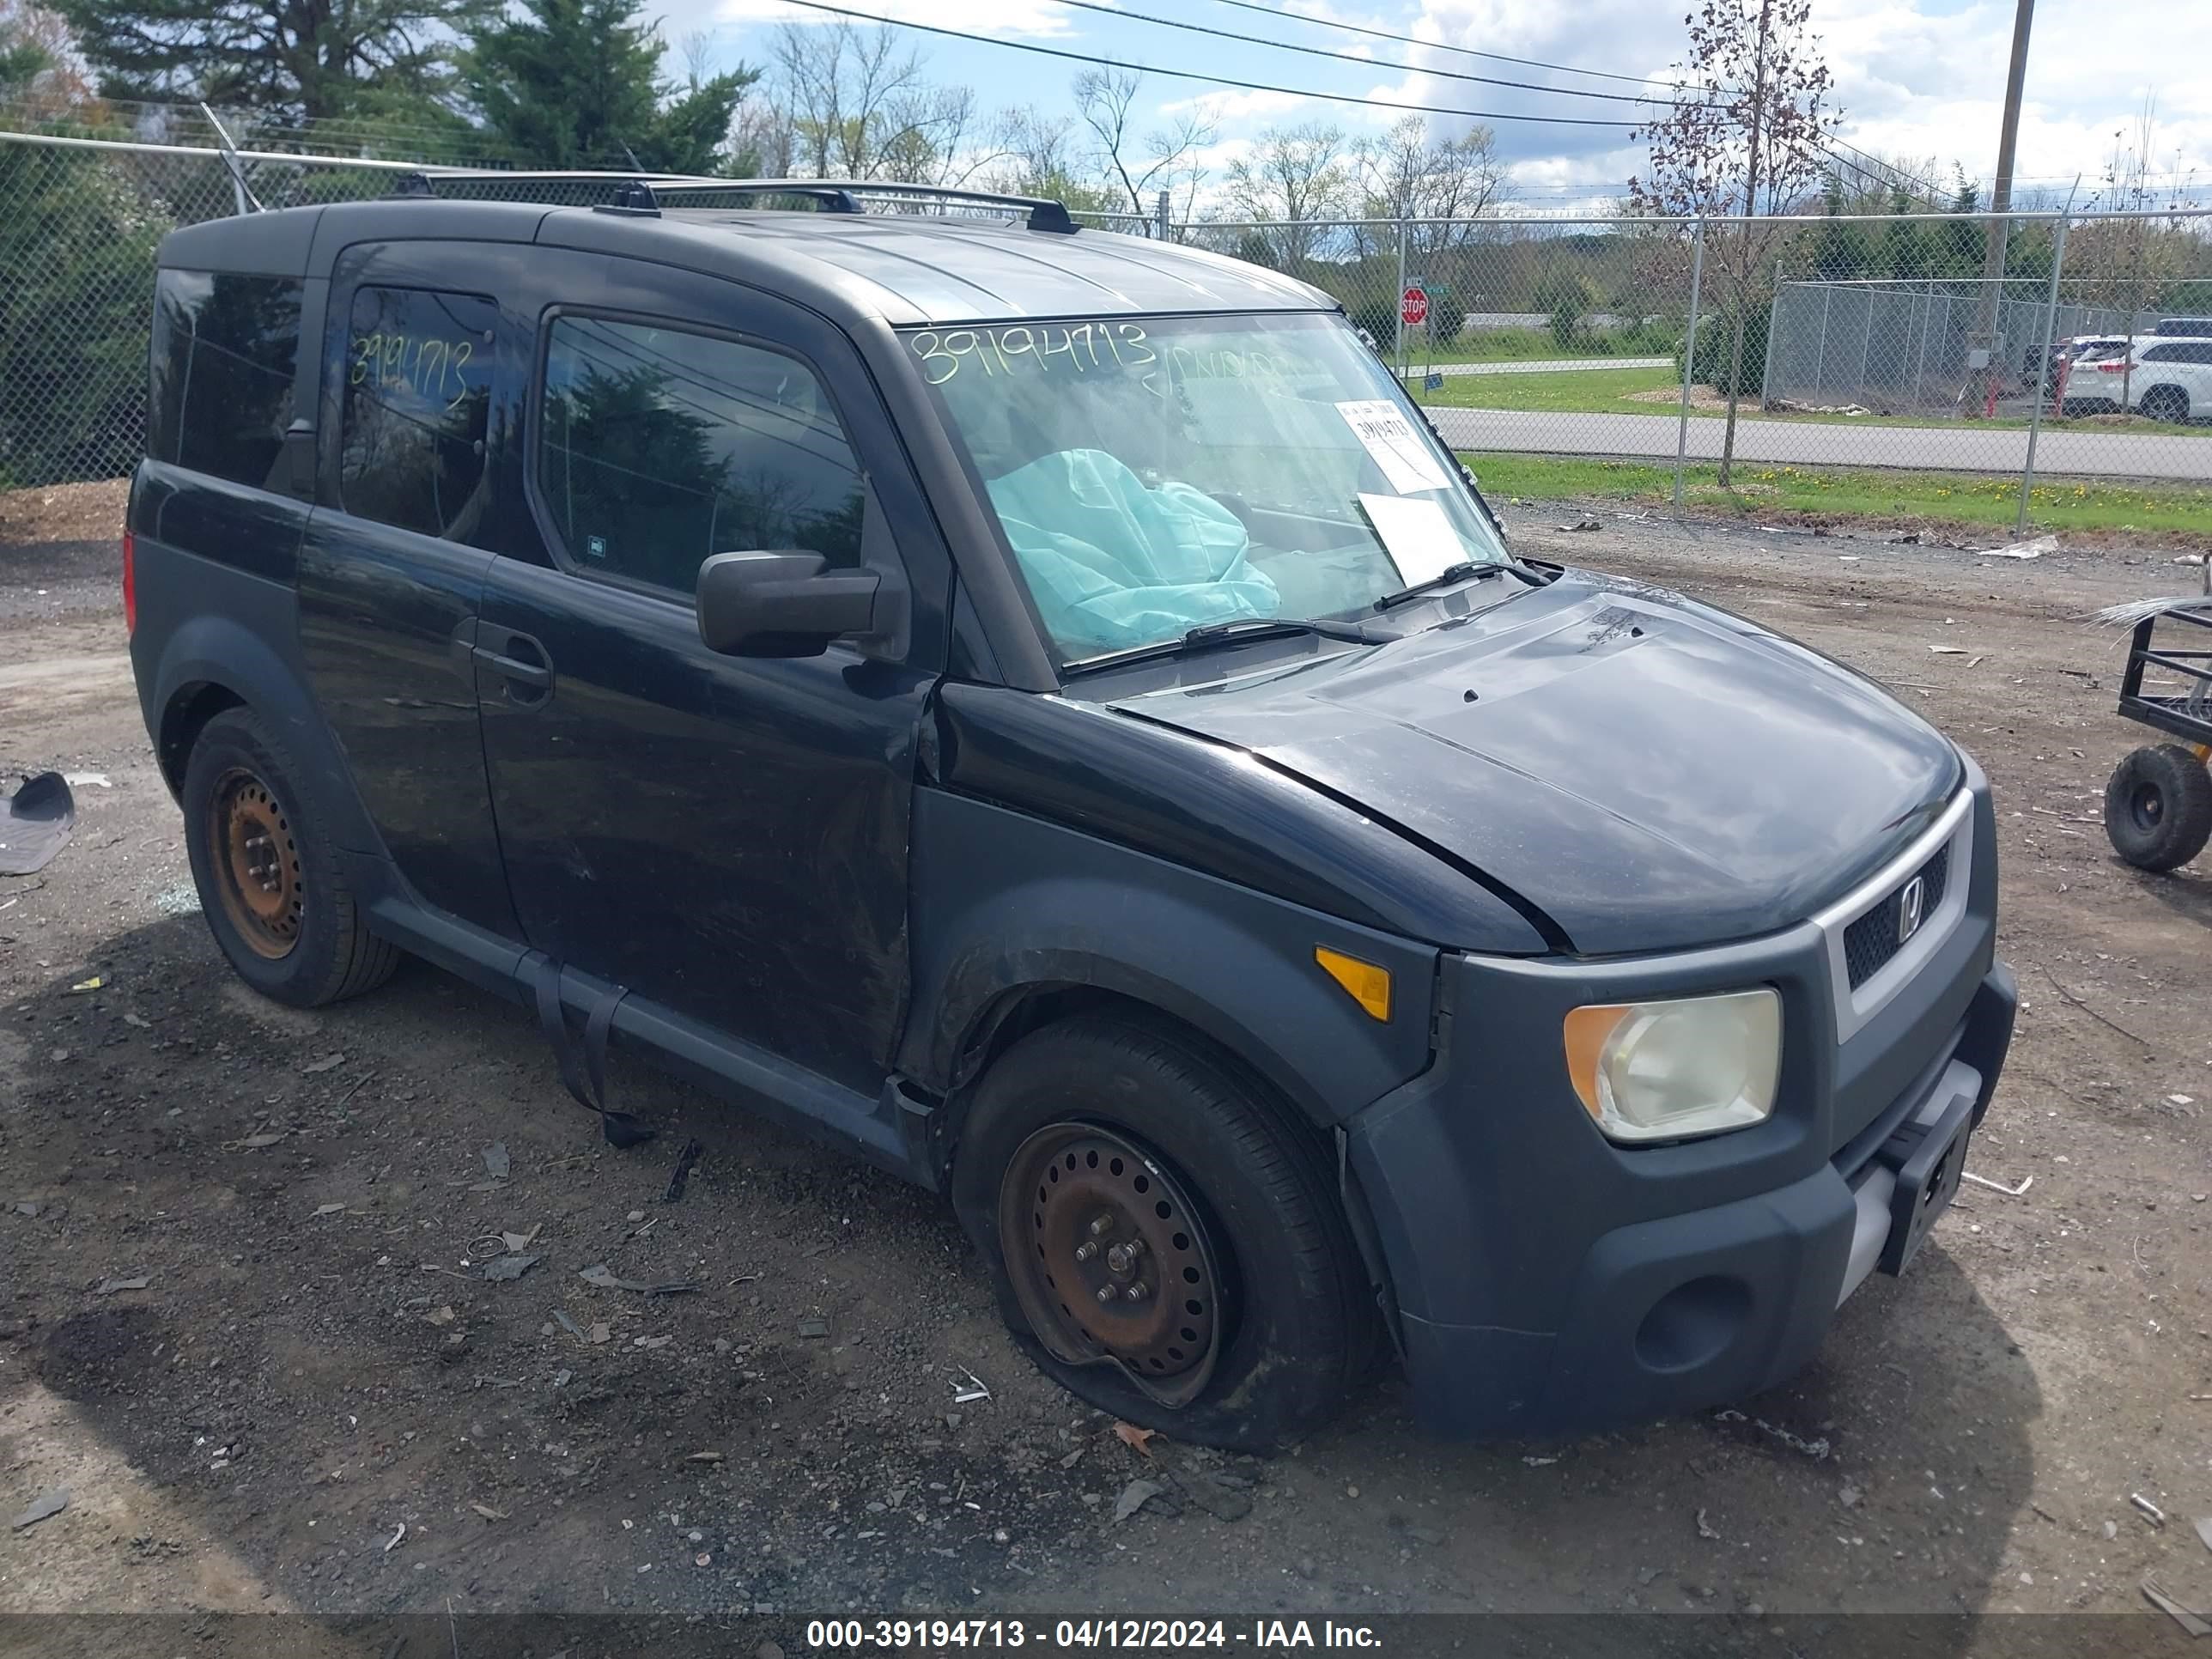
[2158,807]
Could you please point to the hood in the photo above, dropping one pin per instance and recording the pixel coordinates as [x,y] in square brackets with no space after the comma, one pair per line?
[1649,772]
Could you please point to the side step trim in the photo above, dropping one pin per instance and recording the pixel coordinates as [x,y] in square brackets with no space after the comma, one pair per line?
[878,1127]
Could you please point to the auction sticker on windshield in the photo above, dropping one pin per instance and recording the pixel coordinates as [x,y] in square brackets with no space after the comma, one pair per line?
[1389,437]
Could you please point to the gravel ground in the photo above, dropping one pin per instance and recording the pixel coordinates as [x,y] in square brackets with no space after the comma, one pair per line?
[314,1361]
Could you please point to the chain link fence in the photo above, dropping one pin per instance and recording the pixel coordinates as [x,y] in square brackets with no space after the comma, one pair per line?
[1852,364]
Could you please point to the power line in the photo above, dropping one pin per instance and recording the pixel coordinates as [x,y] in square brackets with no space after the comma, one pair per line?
[1211,80]
[1438,46]
[1886,172]
[1350,58]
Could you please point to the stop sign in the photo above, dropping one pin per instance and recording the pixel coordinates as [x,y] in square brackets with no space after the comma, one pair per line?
[1413,306]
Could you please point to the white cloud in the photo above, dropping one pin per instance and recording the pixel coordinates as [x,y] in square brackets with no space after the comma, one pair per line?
[1023,19]
[1228,105]
[1922,85]
[1917,80]
[1915,84]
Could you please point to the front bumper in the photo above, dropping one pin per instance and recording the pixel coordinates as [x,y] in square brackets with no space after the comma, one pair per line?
[1548,1282]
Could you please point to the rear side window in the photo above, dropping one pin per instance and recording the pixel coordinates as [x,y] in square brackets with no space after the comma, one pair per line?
[658,448]
[418,367]
[225,350]
[2164,353]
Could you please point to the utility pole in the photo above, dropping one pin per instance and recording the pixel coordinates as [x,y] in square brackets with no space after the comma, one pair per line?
[1984,338]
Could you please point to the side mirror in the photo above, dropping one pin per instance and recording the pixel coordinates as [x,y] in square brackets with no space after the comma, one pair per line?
[781,605]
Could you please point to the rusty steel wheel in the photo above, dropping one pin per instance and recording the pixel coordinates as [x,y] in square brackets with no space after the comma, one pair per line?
[257,865]
[1110,1261]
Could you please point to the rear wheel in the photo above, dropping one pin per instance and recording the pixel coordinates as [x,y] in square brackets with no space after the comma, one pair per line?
[268,876]
[2165,403]
[1165,1243]
[2158,807]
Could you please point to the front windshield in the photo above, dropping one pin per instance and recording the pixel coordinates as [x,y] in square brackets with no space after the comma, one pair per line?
[1154,475]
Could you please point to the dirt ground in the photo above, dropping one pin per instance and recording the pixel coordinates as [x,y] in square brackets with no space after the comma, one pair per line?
[243,1320]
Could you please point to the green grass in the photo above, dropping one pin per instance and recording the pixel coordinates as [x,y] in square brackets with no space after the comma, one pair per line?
[2056,504]
[1527,345]
[1608,392]
[1572,390]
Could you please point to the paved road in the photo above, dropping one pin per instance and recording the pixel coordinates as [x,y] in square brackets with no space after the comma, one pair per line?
[1551,365]
[1940,448]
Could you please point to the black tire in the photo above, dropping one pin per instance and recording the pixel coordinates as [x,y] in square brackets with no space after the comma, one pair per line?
[2165,403]
[2158,807]
[299,938]
[1296,1322]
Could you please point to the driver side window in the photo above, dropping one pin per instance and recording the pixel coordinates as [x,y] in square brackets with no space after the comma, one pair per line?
[658,448]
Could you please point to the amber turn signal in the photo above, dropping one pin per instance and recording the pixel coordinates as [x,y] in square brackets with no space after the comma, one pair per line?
[1369,986]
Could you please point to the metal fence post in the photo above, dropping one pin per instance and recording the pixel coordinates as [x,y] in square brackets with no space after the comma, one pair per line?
[2035,414]
[1820,352]
[1690,353]
[1766,369]
[1398,300]
[1927,310]
[1866,346]
[1160,216]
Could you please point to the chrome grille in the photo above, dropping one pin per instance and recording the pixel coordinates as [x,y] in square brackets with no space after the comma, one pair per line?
[1872,940]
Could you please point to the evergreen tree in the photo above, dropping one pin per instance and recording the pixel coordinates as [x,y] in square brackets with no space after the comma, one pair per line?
[577,83]
[1908,248]
[307,57]
[76,246]
[1963,236]
[1838,251]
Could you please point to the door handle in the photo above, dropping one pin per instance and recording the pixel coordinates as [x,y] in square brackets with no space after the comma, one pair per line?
[519,670]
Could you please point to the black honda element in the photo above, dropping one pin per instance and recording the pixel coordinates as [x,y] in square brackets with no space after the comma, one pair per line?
[1041,708]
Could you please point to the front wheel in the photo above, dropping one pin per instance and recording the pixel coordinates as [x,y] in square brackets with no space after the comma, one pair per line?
[2158,807]
[1165,1243]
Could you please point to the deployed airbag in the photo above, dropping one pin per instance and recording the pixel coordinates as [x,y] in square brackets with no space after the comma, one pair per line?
[1112,563]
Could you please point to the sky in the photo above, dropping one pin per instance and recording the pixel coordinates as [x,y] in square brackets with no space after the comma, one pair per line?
[1919,80]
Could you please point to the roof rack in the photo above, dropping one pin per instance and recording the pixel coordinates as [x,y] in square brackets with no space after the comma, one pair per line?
[1045,214]
[634,192]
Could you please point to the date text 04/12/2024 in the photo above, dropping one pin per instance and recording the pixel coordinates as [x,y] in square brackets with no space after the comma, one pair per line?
[938,1635]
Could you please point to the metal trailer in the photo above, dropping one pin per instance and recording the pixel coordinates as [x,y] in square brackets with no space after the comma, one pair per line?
[2158,806]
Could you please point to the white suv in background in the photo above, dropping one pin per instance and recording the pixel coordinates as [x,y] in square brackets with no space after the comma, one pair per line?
[2165,378]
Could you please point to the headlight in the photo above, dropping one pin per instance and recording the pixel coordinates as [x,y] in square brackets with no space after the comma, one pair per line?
[1659,1071]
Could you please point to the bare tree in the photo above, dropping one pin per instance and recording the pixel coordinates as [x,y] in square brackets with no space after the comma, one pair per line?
[1136,168]
[859,108]
[696,50]
[762,142]
[1450,182]
[1033,154]
[1747,133]
[1295,178]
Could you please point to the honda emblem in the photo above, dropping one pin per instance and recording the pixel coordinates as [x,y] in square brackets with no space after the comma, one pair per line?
[1911,899]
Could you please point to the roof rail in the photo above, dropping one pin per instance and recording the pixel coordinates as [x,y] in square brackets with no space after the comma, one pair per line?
[636,191]
[639,191]
[834,196]
[634,197]
[1045,214]
[843,195]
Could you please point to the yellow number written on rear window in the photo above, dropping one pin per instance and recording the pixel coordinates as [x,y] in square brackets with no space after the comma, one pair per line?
[433,369]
